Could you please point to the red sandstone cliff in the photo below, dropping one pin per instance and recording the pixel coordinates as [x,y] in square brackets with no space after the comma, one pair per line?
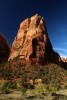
[32,43]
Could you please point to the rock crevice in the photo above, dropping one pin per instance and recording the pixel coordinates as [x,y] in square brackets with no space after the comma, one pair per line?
[32,43]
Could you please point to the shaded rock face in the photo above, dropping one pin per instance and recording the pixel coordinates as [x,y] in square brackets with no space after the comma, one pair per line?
[32,44]
[4,49]
[64,62]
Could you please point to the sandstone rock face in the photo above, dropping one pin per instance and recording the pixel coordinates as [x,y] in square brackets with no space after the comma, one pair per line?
[4,49]
[32,44]
[64,59]
[64,62]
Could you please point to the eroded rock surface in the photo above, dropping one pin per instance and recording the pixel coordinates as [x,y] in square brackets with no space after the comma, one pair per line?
[32,44]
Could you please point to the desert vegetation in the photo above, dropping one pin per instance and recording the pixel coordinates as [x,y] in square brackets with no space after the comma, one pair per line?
[33,82]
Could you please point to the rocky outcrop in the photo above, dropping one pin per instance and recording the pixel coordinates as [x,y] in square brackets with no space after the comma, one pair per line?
[64,59]
[4,49]
[64,62]
[32,44]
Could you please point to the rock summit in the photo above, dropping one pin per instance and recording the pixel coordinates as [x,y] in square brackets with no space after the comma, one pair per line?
[32,44]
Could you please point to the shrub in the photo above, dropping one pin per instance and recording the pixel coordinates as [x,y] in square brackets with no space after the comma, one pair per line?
[5,90]
[30,86]
[53,88]
[40,89]
[23,77]
[10,85]
[23,90]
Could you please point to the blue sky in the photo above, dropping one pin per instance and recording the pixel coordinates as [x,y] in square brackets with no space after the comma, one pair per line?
[12,12]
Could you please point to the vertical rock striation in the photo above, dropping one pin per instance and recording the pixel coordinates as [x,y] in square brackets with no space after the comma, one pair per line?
[32,44]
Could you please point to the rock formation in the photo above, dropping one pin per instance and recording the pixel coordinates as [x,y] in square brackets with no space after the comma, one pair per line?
[32,44]
[4,49]
[64,62]
[64,59]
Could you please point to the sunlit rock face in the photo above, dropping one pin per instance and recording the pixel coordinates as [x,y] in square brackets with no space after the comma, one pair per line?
[64,59]
[32,44]
[4,49]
